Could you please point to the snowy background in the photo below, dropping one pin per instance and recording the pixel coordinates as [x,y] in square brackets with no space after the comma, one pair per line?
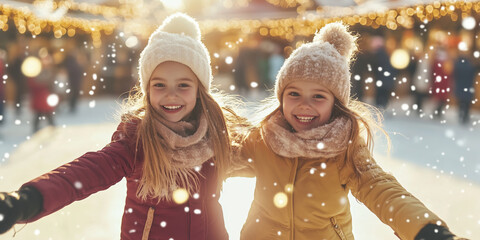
[437,160]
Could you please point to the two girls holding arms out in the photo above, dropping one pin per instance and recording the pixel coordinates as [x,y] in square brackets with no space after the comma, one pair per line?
[175,136]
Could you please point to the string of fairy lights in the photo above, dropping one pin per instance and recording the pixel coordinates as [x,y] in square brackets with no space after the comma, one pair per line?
[305,25]
[26,21]
[308,25]
[289,3]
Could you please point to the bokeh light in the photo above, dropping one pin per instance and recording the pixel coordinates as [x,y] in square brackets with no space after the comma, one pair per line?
[131,42]
[462,46]
[52,100]
[173,4]
[469,23]
[289,188]
[31,66]
[180,196]
[280,200]
[400,59]
[228,60]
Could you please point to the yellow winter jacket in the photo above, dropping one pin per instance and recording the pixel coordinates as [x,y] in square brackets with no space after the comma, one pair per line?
[317,206]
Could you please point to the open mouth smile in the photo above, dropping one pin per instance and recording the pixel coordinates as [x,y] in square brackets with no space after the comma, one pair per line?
[172,108]
[304,119]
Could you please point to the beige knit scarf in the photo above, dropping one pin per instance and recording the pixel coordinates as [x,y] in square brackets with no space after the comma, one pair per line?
[188,143]
[325,141]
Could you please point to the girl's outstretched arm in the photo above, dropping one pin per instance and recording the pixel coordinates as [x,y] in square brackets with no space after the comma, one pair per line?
[388,200]
[90,173]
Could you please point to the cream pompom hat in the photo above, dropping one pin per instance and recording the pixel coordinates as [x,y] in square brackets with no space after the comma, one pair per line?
[325,60]
[178,39]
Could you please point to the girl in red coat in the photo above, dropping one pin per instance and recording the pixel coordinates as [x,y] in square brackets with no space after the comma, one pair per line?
[172,141]
[40,93]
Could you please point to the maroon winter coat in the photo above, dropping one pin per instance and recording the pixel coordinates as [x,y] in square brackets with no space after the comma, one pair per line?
[97,171]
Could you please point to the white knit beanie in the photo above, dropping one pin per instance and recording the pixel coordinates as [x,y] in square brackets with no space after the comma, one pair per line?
[326,60]
[178,39]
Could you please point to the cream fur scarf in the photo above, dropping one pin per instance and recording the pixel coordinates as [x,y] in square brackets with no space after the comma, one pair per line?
[325,141]
[188,144]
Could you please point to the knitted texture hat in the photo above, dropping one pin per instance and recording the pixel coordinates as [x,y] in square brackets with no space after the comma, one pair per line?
[178,39]
[326,60]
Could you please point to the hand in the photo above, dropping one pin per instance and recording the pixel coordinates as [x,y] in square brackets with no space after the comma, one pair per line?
[9,210]
[18,206]
[435,232]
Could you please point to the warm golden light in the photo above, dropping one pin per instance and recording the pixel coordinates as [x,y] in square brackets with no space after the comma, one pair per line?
[289,188]
[282,28]
[280,200]
[180,196]
[31,66]
[400,59]
[173,4]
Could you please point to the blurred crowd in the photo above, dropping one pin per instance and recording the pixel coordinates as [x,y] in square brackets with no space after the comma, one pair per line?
[45,76]
[439,70]
[437,66]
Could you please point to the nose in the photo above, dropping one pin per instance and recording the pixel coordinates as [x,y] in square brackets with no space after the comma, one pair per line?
[171,92]
[304,104]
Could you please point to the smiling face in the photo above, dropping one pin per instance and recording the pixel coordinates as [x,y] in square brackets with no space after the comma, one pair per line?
[173,90]
[307,105]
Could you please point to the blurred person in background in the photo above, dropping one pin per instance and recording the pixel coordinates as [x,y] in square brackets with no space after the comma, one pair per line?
[240,67]
[3,58]
[464,72]
[383,71]
[275,62]
[263,66]
[360,68]
[15,72]
[250,68]
[73,63]
[440,81]
[422,81]
[40,91]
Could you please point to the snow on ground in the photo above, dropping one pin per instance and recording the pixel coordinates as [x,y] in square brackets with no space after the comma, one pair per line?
[434,174]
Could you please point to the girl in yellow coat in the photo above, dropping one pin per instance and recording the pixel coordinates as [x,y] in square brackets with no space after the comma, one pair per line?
[315,147]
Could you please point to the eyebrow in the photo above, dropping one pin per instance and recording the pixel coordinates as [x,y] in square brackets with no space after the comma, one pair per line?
[315,89]
[180,79]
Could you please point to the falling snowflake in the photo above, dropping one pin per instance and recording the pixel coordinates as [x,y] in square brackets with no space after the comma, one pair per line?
[91,104]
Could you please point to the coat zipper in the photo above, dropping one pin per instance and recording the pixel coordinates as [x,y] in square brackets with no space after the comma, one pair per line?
[293,175]
[337,228]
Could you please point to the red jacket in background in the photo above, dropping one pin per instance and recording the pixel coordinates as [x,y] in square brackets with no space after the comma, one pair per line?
[440,81]
[39,93]
[199,219]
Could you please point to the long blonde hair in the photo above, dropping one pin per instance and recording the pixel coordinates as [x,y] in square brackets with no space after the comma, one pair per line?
[366,119]
[157,174]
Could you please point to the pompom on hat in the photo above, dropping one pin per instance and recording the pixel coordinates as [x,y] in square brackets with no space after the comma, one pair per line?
[178,39]
[326,60]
